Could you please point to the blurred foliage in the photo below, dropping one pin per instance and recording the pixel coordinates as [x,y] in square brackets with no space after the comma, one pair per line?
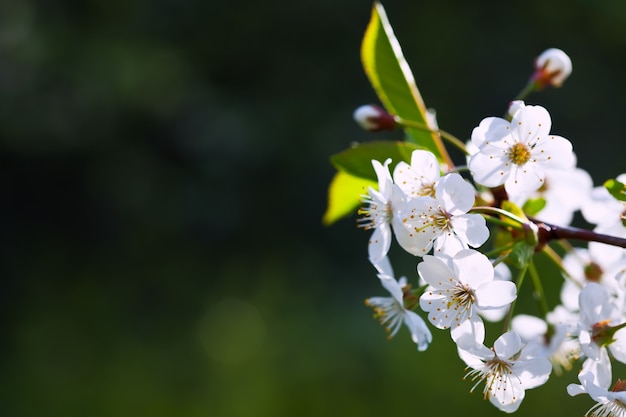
[164,174]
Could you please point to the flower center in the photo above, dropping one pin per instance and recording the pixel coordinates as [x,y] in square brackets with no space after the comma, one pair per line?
[374,213]
[388,313]
[593,272]
[519,154]
[440,219]
[496,373]
[409,298]
[463,297]
[601,333]
[428,190]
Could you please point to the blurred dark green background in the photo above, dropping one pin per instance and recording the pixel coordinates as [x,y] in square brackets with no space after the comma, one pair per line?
[164,172]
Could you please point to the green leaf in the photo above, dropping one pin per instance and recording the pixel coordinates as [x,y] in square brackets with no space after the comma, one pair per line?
[391,78]
[344,196]
[534,206]
[357,160]
[616,188]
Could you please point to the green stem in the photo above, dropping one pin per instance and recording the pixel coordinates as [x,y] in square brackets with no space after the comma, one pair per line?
[453,140]
[494,211]
[520,279]
[498,251]
[539,293]
[558,262]
[529,88]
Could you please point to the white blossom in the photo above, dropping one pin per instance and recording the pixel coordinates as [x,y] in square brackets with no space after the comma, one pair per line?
[443,220]
[392,311]
[506,370]
[460,287]
[517,153]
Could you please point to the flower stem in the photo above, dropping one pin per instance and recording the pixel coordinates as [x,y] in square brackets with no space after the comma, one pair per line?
[520,279]
[453,140]
[539,293]
[529,88]
[558,262]
[494,211]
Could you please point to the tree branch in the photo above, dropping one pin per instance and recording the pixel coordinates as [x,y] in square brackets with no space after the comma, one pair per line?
[548,232]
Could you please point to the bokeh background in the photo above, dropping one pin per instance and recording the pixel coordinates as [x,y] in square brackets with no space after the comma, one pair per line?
[164,167]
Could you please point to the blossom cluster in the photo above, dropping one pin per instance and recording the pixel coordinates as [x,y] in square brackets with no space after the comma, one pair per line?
[466,226]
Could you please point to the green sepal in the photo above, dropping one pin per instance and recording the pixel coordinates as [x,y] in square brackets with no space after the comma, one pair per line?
[524,241]
[344,196]
[357,160]
[521,254]
[393,82]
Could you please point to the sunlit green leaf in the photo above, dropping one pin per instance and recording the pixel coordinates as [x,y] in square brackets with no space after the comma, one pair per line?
[616,188]
[393,81]
[534,206]
[357,160]
[513,209]
[344,196]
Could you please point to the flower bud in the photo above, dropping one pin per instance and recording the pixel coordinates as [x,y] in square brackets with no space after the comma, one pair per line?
[552,67]
[514,106]
[374,118]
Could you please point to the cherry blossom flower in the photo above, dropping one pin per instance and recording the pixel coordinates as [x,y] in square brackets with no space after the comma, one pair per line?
[393,311]
[459,288]
[501,272]
[443,221]
[374,118]
[552,67]
[420,177]
[592,264]
[517,153]
[378,211]
[600,324]
[608,214]
[547,340]
[595,380]
[563,193]
[506,370]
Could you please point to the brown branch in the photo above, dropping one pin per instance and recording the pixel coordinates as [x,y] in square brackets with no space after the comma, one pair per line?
[548,232]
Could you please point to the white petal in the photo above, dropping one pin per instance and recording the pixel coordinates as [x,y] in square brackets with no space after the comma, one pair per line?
[420,334]
[469,333]
[533,372]
[471,228]
[393,287]
[455,194]
[495,294]
[524,179]
[528,327]
[384,177]
[489,170]
[472,267]
[507,400]
[555,152]
[435,272]
[490,129]
[507,345]
[448,245]
[379,243]
[531,122]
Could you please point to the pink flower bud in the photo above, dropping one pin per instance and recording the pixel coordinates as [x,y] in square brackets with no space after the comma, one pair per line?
[552,67]
[374,118]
